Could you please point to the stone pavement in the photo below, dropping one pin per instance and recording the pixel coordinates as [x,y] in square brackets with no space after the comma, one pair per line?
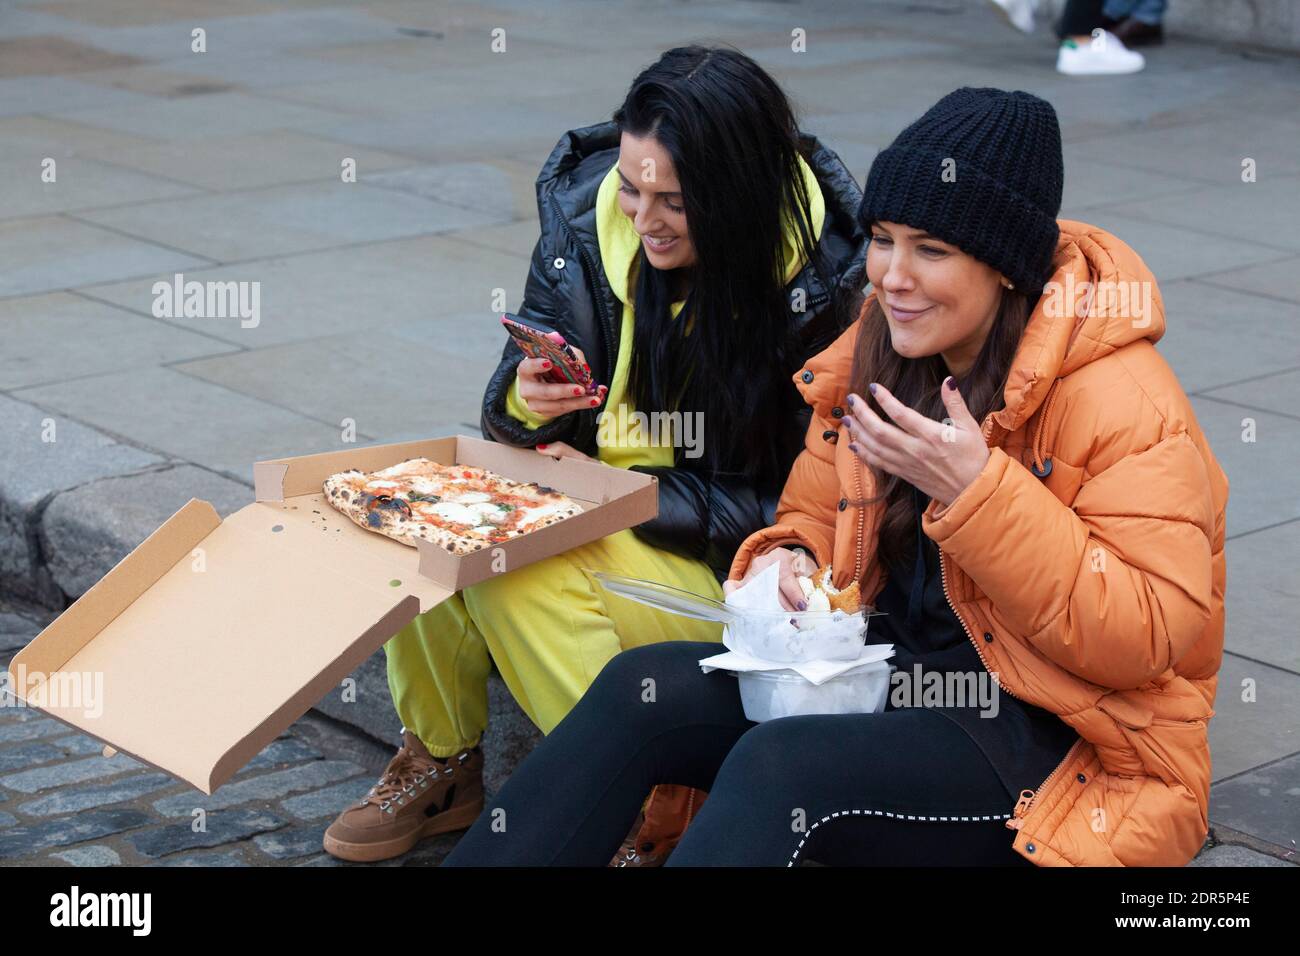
[377,307]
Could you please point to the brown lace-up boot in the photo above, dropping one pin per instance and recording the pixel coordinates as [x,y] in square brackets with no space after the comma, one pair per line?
[418,796]
[659,826]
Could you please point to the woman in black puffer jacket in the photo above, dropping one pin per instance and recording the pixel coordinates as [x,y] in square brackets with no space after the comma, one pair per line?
[701,516]
[709,322]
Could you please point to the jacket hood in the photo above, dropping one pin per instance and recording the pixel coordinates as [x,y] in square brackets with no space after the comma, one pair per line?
[1100,297]
[620,243]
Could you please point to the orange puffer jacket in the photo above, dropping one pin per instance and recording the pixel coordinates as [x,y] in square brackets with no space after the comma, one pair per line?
[1094,591]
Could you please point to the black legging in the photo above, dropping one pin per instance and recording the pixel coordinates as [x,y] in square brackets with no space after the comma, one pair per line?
[853,789]
[1079,18]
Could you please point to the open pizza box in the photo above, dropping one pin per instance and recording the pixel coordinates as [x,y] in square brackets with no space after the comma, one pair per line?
[212,636]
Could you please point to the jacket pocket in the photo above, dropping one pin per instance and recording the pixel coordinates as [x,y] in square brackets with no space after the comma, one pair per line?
[1126,711]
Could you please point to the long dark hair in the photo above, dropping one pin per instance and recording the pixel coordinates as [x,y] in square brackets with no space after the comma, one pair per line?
[734,143]
[917,383]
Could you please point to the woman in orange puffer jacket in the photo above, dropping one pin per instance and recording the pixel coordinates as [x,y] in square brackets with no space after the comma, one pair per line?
[1071,545]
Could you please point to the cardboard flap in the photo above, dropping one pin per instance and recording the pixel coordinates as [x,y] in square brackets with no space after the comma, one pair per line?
[114,593]
[242,634]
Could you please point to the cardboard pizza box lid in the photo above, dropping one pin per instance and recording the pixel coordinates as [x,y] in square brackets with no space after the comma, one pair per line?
[209,639]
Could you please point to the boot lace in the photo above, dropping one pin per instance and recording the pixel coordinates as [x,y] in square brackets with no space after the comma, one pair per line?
[404,776]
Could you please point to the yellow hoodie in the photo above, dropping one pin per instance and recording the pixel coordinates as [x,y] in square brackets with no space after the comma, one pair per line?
[630,439]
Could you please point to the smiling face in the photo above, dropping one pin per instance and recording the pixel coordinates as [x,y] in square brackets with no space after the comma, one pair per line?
[936,298]
[650,195]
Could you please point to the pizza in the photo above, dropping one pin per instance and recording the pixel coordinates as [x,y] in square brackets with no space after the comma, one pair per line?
[462,508]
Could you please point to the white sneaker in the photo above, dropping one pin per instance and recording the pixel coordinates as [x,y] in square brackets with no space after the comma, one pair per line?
[1103,55]
[1019,13]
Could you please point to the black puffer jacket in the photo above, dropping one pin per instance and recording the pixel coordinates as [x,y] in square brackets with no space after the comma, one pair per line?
[700,516]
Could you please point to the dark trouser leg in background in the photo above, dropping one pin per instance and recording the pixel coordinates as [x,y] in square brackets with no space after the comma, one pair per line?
[1079,18]
[775,795]
[651,716]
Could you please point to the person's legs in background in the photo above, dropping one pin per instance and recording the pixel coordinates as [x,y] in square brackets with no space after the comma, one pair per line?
[1149,11]
[1079,18]
[840,790]
[651,716]
[1135,22]
[1083,53]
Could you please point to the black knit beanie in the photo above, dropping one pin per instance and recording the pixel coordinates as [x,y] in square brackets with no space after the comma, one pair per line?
[982,169]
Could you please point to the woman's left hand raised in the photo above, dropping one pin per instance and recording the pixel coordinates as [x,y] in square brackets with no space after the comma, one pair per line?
[939,458]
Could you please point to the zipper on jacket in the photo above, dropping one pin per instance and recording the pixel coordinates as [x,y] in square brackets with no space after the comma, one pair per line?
[862,519]
[611,351]
[1041,462]
[1027,797]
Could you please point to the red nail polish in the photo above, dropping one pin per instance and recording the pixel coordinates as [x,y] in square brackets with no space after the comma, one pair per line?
[577,391]
[595,402]
[541,446]
[546,364]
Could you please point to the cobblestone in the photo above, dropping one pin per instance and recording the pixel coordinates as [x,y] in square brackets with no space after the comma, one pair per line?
[225,826]
[88,856]
[268,786]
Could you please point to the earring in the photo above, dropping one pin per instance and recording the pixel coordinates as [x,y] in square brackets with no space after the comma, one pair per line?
[1009,285]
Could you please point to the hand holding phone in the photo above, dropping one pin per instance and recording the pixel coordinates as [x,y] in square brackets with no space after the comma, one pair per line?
[555,378]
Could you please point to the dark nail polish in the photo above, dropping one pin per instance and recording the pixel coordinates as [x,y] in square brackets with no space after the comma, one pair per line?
[802,605]
[872,386]
[952,383]
[850,401]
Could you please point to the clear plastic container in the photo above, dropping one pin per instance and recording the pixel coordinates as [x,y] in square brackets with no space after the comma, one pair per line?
[766,695]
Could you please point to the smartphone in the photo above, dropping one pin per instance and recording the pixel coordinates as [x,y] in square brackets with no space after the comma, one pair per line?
[540,342]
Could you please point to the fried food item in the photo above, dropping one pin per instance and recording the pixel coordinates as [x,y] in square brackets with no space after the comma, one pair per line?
[822,595]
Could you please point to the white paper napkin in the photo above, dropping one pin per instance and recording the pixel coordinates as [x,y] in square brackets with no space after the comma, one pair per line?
[762,593]
[815,672]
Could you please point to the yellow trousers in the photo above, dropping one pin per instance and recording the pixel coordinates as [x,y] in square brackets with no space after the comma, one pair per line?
[549,626]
